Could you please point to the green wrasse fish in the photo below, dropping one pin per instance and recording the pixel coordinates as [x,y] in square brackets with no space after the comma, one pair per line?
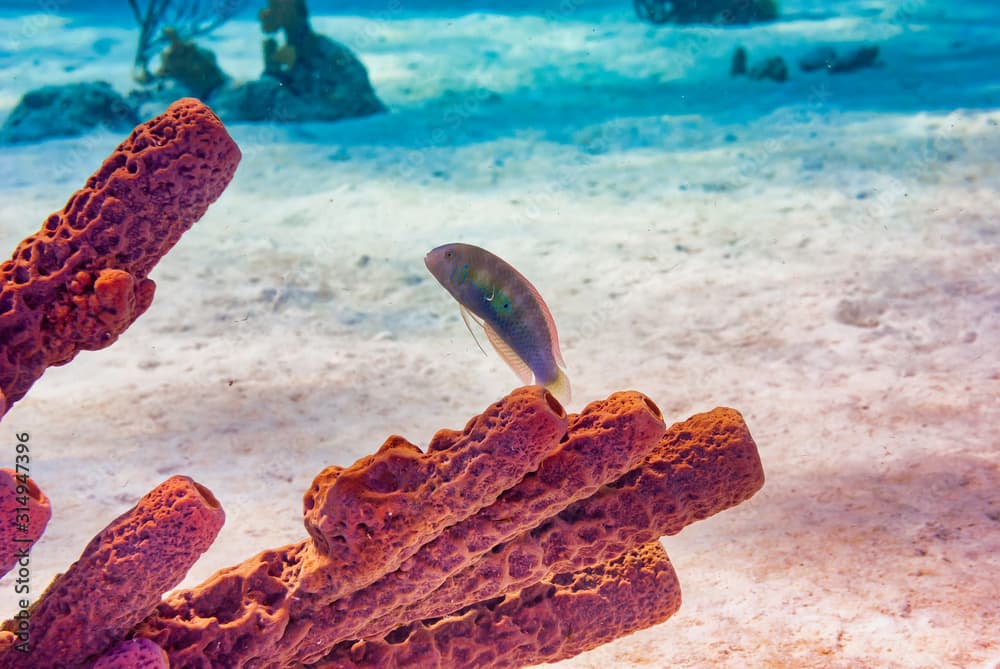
[507,306]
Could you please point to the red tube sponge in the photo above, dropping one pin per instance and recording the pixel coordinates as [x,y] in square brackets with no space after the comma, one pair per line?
[559,617]
[120,577]
[605,440]
[366,519]
[81,280]
[258,614]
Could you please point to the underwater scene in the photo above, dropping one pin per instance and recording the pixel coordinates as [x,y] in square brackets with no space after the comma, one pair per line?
[476,334]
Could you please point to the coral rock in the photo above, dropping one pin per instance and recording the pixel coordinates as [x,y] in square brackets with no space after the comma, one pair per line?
[818,58]
[557,618]
[25,512]
[120,577]
[134,654]
[80,281]
[308,78]
[288,15]
[856,59]
[773,68]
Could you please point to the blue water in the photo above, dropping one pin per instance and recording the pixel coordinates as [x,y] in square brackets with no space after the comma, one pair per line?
[936,56]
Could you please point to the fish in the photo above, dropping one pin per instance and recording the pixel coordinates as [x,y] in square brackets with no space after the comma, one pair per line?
[517,322]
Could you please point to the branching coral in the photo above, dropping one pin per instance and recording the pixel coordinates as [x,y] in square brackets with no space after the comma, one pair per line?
[452,480]
[76,285]
[186,18]
[700,467]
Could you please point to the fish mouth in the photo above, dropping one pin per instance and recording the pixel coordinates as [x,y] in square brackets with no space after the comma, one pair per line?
[434,257]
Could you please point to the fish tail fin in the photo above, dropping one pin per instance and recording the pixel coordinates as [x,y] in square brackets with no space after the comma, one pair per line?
[560,387]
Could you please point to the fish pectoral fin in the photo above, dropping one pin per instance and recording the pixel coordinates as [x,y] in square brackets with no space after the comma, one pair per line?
[512,359]
[466,315]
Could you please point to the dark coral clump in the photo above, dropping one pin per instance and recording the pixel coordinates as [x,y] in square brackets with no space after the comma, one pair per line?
[190,65]
[723,12]
[307,76]
[67,111]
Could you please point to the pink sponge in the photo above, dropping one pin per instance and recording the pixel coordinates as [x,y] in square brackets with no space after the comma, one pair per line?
[119,578]
[558,617]
[80,281]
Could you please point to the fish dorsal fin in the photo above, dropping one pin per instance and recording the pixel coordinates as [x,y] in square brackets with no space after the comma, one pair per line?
[466,315]
[515,361]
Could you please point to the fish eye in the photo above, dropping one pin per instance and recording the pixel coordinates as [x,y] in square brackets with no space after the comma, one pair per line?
[449,254]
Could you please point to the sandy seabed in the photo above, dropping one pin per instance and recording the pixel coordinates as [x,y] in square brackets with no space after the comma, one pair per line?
[835,276]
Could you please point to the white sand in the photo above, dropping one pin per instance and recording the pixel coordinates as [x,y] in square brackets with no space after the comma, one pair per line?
[700,269]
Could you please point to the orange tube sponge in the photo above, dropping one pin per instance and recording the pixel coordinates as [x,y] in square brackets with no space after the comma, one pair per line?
[702,466]
[24,513]
[81,280]
[605,440]
[559,617]
[259,614]
[120,577]
[366,519]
